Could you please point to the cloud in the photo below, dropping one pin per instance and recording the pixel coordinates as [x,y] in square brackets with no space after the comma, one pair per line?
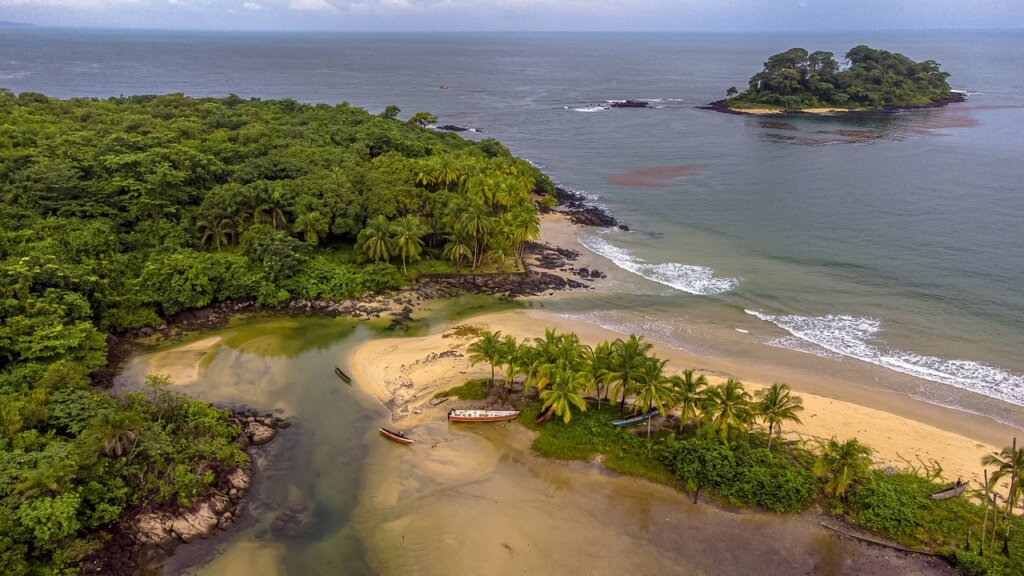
[87,4]
[312,5]
[253,6]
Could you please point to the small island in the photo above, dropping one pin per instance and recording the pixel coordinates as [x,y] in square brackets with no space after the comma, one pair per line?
[798,81]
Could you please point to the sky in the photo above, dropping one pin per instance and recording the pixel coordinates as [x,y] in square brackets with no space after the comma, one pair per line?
[522,15]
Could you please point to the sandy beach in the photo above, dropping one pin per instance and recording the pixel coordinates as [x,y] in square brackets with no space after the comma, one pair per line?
[901,430]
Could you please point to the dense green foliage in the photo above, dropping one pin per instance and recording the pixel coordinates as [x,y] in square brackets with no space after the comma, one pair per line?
[794,79]
[742,473]
[719,449]
[897,505]
[118,212]
[591,434]
[78,458]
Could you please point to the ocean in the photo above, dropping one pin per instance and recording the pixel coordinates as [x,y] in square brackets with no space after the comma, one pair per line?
[892,241]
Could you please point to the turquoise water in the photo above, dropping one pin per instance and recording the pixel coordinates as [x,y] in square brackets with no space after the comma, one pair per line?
[894,240]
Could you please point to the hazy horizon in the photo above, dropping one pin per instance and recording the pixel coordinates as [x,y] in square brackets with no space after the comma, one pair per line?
[725,16]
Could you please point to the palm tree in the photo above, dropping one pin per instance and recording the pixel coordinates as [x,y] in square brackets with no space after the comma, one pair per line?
[408,238]
[653,389]
[842,464]
[487,348]
[477,222]
[599,364]
[116,431]
[689,391]
[216,227]
[311,225]
[628,358]
[523,225]
[375,240]
[1010,462]
[728,405]
[563,394]
[457,249]
[514,357]
[776,404]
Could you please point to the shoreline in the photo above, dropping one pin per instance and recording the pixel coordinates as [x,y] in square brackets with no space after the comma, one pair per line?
[724,107]
[901,429]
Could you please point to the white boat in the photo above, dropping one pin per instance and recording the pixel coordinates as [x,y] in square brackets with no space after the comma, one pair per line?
[459,415]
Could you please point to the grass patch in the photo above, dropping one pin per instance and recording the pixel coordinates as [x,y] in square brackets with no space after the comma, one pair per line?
[471,390]
[590,434]
[898,506]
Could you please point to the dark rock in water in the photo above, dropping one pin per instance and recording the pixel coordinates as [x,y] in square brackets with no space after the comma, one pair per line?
[292,522]
[624,228]
[579,212]
[631,104]
[455,128]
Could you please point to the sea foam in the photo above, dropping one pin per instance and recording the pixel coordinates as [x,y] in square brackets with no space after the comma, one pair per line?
[855,337]
[685,277]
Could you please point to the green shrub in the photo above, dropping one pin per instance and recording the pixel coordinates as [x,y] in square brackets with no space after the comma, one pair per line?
[471,390]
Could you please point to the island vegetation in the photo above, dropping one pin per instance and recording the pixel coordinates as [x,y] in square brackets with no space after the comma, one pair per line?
[873,79]
[120,212]
[727,442]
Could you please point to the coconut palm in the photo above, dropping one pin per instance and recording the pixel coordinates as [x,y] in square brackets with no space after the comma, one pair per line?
[1010,462]
[116,431]
[522,224]
[311,225]
[408,238]
[653,389]
[487,348]
[457,249]
[217,228]
[776,404]
[689,390]
[515,357]
[599,363]
[477,222]
[563,394]
[842,464]
[375,240]
[728,407]
[628,358]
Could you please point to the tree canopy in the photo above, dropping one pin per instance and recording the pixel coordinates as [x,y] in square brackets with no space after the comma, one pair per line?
[873,78]
[117,212]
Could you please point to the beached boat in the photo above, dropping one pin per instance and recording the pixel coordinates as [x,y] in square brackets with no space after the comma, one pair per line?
[344,377]
[396,436]
[951,492]
[458,415]
[634,419]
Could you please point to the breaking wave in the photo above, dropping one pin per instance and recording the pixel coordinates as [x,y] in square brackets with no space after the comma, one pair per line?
[688,278]
[855,337]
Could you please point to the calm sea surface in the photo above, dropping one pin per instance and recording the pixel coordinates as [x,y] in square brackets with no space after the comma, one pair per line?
[895,240]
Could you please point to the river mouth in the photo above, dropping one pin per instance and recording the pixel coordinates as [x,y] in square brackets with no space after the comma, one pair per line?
[465,499]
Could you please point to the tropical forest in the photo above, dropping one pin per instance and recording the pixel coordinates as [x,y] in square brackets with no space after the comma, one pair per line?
[118,213]
[873,79]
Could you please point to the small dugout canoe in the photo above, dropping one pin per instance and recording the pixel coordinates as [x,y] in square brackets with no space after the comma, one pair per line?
[951,492]
[396,436]
[344,377]
[634,419]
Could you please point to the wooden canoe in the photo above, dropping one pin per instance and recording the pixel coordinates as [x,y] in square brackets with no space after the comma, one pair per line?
[344,377]
[951,492]
[459,415]
[396,436]
[634,419]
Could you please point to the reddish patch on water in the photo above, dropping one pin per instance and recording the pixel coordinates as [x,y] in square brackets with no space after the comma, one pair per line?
[657,177]
[778,125]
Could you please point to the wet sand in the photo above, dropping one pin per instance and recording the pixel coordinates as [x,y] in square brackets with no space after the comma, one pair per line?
[473,499]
